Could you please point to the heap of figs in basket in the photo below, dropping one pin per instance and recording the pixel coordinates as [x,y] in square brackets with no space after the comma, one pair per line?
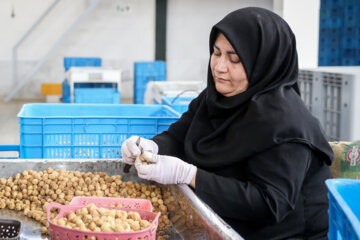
[98,219]
[31,191]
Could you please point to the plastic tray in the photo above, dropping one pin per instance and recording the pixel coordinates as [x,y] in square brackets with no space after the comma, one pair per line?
[96,95]
[58,232]
[127,203]
[344,209]
[10,229]
[87,130]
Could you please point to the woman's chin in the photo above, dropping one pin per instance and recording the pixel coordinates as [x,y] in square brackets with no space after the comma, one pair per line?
[222,91]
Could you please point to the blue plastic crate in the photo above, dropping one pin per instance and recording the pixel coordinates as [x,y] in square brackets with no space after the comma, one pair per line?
[331,3]
[81,62]
[349,42]
[329,61]
[155,68]
[331,22]
[76,62]
[179,104]
[327,32]
[327,43]
[351,8]
[96,95]
[330,52]
[344,209]
[348,61]
[349,53]
[66,92]
[351,21]
[87,130]
[145,72]
[95,85]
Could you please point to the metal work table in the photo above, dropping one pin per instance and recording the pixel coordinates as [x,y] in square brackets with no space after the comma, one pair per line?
[211,226]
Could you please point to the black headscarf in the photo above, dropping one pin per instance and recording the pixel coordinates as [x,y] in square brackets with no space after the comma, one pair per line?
[226,130]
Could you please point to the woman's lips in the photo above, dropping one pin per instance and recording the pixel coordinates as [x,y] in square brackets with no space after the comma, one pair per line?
[220,79]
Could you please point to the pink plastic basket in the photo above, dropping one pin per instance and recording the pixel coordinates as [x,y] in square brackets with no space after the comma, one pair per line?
[57,232]
[128,203]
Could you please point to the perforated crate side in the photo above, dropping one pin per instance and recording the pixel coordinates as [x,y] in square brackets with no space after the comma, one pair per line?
[332,88]
[306,87]
[90,137]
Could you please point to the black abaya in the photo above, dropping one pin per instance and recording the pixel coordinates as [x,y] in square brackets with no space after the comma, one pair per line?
[262,158]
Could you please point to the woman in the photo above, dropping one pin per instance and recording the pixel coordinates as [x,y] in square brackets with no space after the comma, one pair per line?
[248,145]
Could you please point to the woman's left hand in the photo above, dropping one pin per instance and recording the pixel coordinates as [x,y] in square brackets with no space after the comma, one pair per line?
[165,169]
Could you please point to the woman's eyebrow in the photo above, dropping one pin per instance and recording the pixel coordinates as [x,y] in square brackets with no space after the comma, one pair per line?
[228,52]
[231,52]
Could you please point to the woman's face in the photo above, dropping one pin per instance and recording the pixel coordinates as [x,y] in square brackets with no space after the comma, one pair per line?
[227,70]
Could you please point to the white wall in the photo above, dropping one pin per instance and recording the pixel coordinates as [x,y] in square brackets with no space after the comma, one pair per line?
[303,18]
[122,37]
[188,28]
[119,37]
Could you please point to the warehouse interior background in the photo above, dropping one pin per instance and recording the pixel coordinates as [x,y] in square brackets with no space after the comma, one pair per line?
[153,56]
[123,31]
[38,34]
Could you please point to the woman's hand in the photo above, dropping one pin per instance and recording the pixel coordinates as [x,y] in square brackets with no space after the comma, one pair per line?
[130,150]
[166,169]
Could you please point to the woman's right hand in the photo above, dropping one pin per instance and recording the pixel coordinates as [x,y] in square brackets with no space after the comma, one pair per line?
[130,150]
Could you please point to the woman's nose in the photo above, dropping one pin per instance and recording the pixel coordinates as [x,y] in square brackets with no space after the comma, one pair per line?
[220,65]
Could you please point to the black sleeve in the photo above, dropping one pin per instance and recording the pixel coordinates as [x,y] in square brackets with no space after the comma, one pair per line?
[171,142]
[274,181]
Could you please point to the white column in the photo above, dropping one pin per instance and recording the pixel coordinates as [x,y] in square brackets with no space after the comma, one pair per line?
[303,18]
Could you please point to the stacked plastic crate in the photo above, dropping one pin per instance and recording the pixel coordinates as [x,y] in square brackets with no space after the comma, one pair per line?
[145,72]
[339,41]
[94,85]
[351,37]
[76,62]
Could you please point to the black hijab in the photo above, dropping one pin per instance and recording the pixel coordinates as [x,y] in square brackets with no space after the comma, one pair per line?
[226,130]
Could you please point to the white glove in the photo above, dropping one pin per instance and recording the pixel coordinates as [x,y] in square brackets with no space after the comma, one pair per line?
[129,149]
[165,170]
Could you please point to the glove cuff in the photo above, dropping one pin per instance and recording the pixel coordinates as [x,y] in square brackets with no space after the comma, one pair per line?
[155,147]
[189,174]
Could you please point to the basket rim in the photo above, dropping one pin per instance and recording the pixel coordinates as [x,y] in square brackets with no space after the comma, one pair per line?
[75,200]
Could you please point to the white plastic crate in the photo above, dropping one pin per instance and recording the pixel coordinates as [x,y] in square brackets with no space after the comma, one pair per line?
[156,90]
[332,95]
[90,75]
